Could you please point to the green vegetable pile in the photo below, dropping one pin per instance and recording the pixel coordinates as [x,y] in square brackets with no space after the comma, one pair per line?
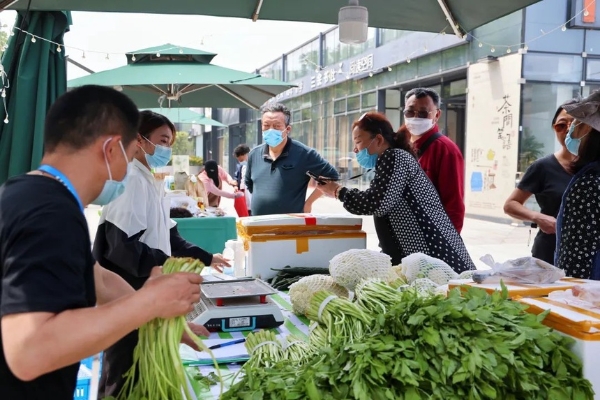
[288,275]
[465,346]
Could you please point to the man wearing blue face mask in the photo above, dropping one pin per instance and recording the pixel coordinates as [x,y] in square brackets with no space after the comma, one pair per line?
[276,170]
[57,305]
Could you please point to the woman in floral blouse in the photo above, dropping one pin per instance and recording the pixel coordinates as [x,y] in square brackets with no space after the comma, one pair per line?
[578,222]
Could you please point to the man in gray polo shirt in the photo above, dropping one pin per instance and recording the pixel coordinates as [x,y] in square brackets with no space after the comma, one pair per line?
[276,170]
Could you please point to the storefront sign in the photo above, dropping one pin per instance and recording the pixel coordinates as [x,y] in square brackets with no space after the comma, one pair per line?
[326,77]
[491,153]
[295,91]
[362,65]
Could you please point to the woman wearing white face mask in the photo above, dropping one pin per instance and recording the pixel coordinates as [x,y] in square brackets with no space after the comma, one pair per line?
[137,233]
[578,222]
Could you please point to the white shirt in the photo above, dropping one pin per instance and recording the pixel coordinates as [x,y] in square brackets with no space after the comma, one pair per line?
[142,207]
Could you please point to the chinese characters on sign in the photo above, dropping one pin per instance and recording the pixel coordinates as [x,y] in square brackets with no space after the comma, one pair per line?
[325,77]
[361,65]
[506,123]
[290,92]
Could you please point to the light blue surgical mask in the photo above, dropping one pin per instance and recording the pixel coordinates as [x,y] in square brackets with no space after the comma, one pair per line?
[572,144]
[365,159]
[112,189]
[161,157]
[272,137]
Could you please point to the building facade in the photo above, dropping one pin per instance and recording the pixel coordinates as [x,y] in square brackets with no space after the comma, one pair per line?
[500,88]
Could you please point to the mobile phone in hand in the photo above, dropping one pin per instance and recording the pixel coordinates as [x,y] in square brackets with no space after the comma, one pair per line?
[320,181]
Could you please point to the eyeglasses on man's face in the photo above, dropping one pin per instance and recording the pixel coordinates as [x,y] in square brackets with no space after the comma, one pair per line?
[417,114]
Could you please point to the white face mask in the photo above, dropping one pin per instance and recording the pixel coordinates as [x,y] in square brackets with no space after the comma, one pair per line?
[418,126]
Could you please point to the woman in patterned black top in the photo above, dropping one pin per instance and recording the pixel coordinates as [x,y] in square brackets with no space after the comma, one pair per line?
[578,222]
[407,211]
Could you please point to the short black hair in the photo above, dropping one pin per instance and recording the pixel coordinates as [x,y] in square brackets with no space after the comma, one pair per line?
[241,150]
[180,212]
[278,107]
[151,121]
[82,115]
[419,93]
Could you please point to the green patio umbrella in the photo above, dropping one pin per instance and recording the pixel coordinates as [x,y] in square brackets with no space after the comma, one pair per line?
[422,15]
[173,76]
[36,73]
[186,116]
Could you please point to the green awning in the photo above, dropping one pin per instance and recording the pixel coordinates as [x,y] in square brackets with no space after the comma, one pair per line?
[37,76]
[173,76]
[186,116]
[424,15]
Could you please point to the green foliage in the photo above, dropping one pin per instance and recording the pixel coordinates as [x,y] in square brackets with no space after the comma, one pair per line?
[183,146]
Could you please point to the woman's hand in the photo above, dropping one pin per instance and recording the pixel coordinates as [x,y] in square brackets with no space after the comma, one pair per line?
[546,223]
[219,262]
[329,188]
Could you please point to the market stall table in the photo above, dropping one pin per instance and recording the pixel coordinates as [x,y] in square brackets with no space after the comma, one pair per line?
[210,232]
[293,325]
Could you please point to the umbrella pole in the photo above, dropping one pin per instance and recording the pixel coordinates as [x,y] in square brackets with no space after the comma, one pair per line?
[450,18]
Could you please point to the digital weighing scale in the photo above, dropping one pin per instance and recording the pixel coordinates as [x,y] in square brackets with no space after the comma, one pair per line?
[236,305]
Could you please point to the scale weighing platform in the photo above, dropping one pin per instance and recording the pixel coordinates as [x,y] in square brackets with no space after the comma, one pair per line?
[235,305]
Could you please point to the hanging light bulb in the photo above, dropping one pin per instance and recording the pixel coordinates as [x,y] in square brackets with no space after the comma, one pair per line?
[3,93]
[12,33]
[107,56]
[492,49]
[408,60]
[32,39]
[586,13]
[180,51]
[508,50]
[83,54]
[480,44]
[370,74]
[389,69]
[525,47]
[563,28]
[157,54]
[133,57]
[58,49]
[6,120]
[425,48]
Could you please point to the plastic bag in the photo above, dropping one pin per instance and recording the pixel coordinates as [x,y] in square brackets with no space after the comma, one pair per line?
[529,270]
[588,293]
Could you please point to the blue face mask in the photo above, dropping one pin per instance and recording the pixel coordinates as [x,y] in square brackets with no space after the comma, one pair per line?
[112,189]
[365,159]
[161,156]
[572,144]
[272,137]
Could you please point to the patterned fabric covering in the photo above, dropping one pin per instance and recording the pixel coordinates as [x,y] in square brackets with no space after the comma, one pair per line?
[402,193]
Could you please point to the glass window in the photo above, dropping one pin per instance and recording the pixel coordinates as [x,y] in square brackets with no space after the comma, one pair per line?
[592,72]
[454,88]
[406,71]
[589,89]
[540,101]
[273,70]
[297,116]
[341,90]
[306,114]
[429,65]
[552,67]
[544,17]
[592,41]
[353,103]
[339,106]
[369,100]
[302,61]
[455,57]
[389,35]
[503,31]
[331,47]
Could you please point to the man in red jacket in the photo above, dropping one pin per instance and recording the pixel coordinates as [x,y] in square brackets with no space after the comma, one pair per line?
[439,156]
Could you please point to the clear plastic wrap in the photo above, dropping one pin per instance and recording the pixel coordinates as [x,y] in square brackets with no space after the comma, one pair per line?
[528,270]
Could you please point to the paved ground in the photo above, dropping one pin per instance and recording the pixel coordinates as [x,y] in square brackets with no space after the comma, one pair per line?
[502,241]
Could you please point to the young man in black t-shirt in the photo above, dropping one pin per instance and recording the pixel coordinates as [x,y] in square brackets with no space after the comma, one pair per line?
[50,283]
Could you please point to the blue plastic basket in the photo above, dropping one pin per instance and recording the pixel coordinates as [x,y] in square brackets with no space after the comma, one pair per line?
[82,390]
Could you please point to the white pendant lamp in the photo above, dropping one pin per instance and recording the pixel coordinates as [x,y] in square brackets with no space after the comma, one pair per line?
[353,22]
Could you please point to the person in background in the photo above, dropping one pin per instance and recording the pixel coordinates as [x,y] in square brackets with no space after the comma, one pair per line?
[212,178]
[409,217]
[135,233]
[276,172]
[439,156]
[546,179]
[57,304]
[180,212]
[578,221]
[241,154]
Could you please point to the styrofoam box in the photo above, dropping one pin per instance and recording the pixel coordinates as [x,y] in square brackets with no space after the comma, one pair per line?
[283,222]
[581,324]
[301,250]
[523,290]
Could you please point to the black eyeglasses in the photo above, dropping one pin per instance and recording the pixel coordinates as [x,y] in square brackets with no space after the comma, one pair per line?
[560,127]
[417,114]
